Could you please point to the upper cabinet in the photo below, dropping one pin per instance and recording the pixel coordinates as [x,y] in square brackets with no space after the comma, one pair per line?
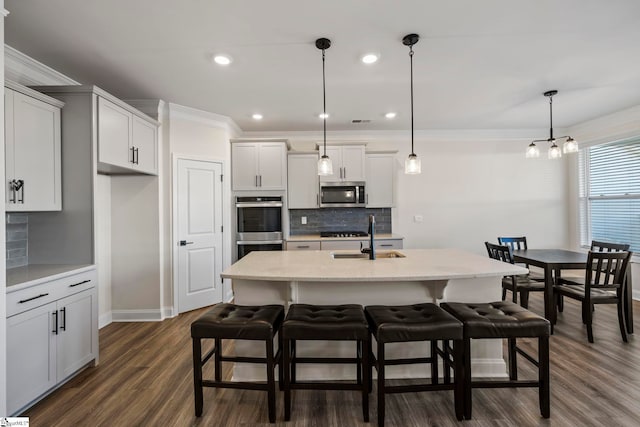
[348,163]
[380,179]
[32,151]
[127,142]
[259,165]
[303,180]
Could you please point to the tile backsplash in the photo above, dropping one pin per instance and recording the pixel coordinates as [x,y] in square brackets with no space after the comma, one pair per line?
[17,237]
[338,219]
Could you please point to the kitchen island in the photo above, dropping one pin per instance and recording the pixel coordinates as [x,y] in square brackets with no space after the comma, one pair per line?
[406,276]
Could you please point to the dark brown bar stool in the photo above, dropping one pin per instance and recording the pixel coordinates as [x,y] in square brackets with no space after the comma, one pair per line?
[326,322]
[503,319]
[419,322]
[237,322]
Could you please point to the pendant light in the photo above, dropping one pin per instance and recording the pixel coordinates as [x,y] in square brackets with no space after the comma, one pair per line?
[324,164]
[570,145]
[412,164]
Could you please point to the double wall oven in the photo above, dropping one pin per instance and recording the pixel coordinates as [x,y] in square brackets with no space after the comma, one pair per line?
[259,224]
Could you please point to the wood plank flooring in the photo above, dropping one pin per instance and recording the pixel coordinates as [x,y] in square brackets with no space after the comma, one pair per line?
[145,379]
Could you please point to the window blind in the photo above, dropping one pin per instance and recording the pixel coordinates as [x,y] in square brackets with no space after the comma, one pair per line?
[610,193]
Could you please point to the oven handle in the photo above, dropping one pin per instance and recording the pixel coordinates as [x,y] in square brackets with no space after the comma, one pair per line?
[259,205]
[259,242]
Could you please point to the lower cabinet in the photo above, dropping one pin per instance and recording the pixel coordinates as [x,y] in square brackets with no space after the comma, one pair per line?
[312,245]
[49,343]
[334,245]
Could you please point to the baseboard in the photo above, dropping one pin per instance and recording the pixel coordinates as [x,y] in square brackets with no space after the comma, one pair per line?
[150,315]
[636,294]
[168,312]
[104,320]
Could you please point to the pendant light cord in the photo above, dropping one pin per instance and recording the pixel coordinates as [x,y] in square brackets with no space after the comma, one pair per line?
[411,61]
[551,118]
[324,108]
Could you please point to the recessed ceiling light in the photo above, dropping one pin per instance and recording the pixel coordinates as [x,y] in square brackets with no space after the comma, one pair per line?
[323,115]
[257,116]
[390,115]
[222,59]
[370,58]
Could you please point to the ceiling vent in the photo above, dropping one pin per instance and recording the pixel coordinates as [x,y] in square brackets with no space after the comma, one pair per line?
[360,121]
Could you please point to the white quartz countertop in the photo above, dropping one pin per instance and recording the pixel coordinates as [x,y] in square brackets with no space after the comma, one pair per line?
[33,274]
[319,266]
[307,237]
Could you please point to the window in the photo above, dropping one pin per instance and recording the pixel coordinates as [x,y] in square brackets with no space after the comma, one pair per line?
[610,193]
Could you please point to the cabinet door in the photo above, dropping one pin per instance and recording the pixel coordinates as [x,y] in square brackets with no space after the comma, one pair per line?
[272,161]
[145,145]
[353,168]
[31,355]
[335,154]
[76,314]
[244,166]
[380,180]
[9,171]
[36,155]
[114,134]
[388,244]
[312,245]
[303,181]
[343,244]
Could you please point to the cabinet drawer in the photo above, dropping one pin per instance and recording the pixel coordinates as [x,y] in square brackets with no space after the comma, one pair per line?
[44,293]
[303,246]
[389,244]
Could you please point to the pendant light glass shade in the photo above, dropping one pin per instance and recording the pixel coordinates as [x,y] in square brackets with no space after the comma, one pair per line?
[325,167]
[554,151]
[412,165]
[570,145]
[533,151]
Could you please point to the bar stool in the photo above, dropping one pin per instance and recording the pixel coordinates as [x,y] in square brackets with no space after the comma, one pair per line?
[503,319]
[419,322]
[237,322]
[326,322]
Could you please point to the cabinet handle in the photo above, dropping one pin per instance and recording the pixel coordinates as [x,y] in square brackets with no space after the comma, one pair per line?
[55,322]
[22,185]
[12,188]
[386,245]
[22,301]
[17,185]
[79,283]
[366,199]
[317,199]
[137,155]
[344,172]
[302,246]
[260,176]
[133,154]
[256,179]
[63,326]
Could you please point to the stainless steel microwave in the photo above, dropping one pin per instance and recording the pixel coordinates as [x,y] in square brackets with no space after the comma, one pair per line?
[342,195]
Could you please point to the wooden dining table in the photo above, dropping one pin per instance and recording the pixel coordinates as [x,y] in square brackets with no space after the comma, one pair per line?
[553,261]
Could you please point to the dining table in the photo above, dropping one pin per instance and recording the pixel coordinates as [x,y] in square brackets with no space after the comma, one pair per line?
[552,262]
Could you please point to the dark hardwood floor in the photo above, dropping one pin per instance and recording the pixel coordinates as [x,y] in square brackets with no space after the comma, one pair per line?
[145,379]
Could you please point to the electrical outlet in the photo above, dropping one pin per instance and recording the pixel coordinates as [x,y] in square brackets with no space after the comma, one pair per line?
[303,220]
[418,218]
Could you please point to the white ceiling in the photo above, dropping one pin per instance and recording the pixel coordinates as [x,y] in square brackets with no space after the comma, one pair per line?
[478,64]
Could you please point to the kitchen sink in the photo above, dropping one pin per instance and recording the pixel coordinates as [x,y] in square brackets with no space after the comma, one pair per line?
[358,255]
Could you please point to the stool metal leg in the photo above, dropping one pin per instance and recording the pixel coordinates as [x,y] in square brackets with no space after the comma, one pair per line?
[286,355]
[513,361]
[293,361]
[434,362]
[359,362]
[543,372]
[280,363]
[380,384]
[197,375]
[445,366]
[467,378]
[271,383]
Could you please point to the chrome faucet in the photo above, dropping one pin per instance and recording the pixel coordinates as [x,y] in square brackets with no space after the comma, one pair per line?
[371,250]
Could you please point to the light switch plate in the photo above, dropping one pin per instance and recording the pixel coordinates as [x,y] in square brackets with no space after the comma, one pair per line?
[303,220]
[418,218]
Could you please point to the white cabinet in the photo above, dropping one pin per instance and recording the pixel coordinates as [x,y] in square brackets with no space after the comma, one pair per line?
[306,245]
[348,163]
[32,150]
[52,332]
[126,141]
[259,165]
[382,244]
[380,180]
[303,181]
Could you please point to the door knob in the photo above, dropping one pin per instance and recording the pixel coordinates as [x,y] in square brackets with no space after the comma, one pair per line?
[185,243]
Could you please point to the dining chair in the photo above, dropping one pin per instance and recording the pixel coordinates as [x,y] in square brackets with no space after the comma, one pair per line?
[520,243]
[516,284]
[596,246]
[604,283]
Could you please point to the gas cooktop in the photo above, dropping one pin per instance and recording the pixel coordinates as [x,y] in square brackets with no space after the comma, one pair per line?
[346,233]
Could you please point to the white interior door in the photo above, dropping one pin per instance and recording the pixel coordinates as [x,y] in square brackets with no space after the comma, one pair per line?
[199,234]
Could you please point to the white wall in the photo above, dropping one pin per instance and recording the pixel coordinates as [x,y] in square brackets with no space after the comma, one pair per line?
[3,282]
[103,248]
[474,187]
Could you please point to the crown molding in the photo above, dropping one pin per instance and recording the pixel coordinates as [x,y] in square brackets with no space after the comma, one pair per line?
[5,12]
[151,107]
[204,117]
[617,126]
[27,71]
